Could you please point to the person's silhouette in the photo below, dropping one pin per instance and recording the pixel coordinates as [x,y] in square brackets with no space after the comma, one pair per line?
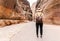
[39,24]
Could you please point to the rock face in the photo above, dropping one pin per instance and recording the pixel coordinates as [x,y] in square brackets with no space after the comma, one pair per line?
[51,11]
[33,10]
[14,11]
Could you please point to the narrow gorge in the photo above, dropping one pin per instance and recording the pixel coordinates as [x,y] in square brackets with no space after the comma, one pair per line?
[14,12]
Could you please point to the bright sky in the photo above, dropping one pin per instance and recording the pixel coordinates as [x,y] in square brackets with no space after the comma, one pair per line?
[32,1]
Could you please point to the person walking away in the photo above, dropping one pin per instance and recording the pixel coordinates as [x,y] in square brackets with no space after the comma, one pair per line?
[39,24]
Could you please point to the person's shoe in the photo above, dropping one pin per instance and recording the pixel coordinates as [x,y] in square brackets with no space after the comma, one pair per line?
[41,36]
[37,36]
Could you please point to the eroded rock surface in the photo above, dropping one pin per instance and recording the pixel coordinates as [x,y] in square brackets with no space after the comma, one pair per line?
[51,11]
[14,11]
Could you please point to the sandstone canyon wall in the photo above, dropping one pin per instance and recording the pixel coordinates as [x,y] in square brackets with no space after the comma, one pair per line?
[14,11]
[50,9]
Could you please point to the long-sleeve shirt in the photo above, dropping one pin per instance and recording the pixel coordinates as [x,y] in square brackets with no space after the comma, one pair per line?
[39,14]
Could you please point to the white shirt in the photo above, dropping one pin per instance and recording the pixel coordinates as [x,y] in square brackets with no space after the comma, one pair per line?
[39,14]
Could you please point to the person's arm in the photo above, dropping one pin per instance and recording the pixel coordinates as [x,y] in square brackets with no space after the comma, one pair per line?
[43,15]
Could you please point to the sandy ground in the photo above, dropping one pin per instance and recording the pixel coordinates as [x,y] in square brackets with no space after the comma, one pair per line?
[26,32]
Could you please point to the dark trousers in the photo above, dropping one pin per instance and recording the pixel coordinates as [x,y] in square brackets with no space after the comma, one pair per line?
[39,25]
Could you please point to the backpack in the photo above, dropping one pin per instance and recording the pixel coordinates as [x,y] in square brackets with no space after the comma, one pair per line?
[39,19]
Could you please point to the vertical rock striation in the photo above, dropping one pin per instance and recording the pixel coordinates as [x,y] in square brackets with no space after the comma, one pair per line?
[51,11]
[14,11]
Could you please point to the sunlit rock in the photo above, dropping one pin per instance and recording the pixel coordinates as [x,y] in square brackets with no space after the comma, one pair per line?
[14,12]
[51,11]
